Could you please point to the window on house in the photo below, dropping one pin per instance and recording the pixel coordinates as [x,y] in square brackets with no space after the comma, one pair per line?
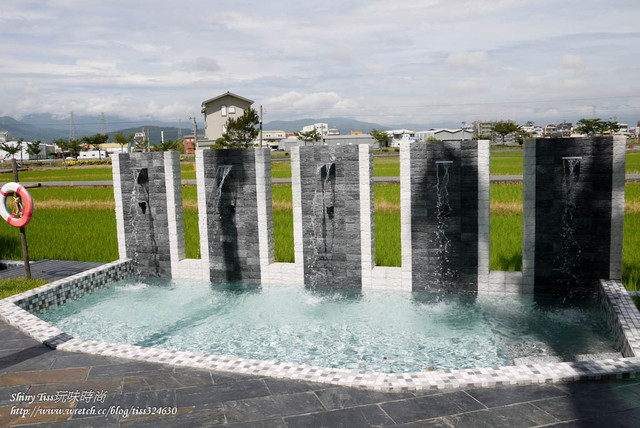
[232,110]
[223,109]
[224,128]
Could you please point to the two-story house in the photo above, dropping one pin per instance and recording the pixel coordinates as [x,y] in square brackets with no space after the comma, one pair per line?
[217,111]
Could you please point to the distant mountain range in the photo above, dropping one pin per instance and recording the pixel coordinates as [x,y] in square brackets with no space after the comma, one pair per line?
[46,127]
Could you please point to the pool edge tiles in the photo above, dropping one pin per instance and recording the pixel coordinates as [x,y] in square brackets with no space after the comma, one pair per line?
[621,313]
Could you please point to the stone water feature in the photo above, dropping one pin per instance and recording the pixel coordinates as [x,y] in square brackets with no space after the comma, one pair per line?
[445,225]
[332,190]
[573,213]
[142,205]
[228,193]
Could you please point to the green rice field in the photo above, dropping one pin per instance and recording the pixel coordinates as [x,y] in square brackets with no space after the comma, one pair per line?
[502,163]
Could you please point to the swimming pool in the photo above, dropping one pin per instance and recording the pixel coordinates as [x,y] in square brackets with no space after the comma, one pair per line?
[376,330]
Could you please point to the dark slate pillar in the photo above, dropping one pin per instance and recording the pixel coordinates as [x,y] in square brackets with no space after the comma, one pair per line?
[231,214]
[141,212]
[573,215]
[330,196]
[444,215]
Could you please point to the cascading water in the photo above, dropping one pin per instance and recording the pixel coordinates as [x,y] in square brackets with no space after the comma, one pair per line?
[221,175]
[569,255]
[443,210]
[322,220]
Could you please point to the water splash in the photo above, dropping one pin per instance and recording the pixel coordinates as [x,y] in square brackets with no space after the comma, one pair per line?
[569,256]
[443,211]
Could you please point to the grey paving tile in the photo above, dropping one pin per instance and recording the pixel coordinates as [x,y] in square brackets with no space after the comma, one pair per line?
[589,387]
[17,343]
[431,406]
[166,381]
[9,395]
[590,405]
[624,419]
[94,422]
[340,398]
[197,395]
[255,409]
[365,416]
[227,377]
[64,361]
[32,358]
[280,386]
[203,416]
[127,369]
[494,397]
[270,423]
[431,423]
[514,416]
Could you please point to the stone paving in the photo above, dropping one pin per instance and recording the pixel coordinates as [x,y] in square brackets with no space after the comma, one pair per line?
[206,398]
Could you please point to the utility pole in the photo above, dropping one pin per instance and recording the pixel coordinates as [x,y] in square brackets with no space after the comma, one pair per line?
[104,123]
[261,126]
[195,132]
[179,129]
[72,129]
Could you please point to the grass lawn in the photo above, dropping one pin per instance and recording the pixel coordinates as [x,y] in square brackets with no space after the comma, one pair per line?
[11,286]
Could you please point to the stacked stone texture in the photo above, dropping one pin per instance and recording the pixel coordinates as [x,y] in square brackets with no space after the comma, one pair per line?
[146,233]
[234,252]
[592,218]
[430,269]
[340,265]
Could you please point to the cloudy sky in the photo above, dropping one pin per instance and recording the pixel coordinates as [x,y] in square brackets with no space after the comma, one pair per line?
[390,62]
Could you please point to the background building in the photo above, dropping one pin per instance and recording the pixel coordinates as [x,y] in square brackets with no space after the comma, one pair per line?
[217,111]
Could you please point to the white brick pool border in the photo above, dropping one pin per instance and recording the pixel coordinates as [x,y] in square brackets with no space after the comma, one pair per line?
[622,314]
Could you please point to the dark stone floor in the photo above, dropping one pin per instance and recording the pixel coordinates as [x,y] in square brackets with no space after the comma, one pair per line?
[87,384]
[49,270]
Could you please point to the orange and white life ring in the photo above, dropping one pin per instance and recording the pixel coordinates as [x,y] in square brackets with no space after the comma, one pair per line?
[26,209]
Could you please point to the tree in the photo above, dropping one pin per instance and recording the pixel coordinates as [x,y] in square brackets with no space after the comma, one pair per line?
[74,147]
[611,126]
[10,149]
[529,123]
[381,137]
[243,130]
[505,128]
[590,126]
[123,140]
[34,149]
[309,137]
[166,146]
[96,141]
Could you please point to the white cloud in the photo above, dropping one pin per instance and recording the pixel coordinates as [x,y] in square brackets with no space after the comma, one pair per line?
[572,62]
[373,59]
[300,104]
[462,86]
[469,60]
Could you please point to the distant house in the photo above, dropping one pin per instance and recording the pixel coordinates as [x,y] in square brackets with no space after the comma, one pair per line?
[217,111]
[445,134]
[321,128]
[189,143]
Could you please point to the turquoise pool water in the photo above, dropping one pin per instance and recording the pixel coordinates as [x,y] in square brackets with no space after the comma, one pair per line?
[383,331]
